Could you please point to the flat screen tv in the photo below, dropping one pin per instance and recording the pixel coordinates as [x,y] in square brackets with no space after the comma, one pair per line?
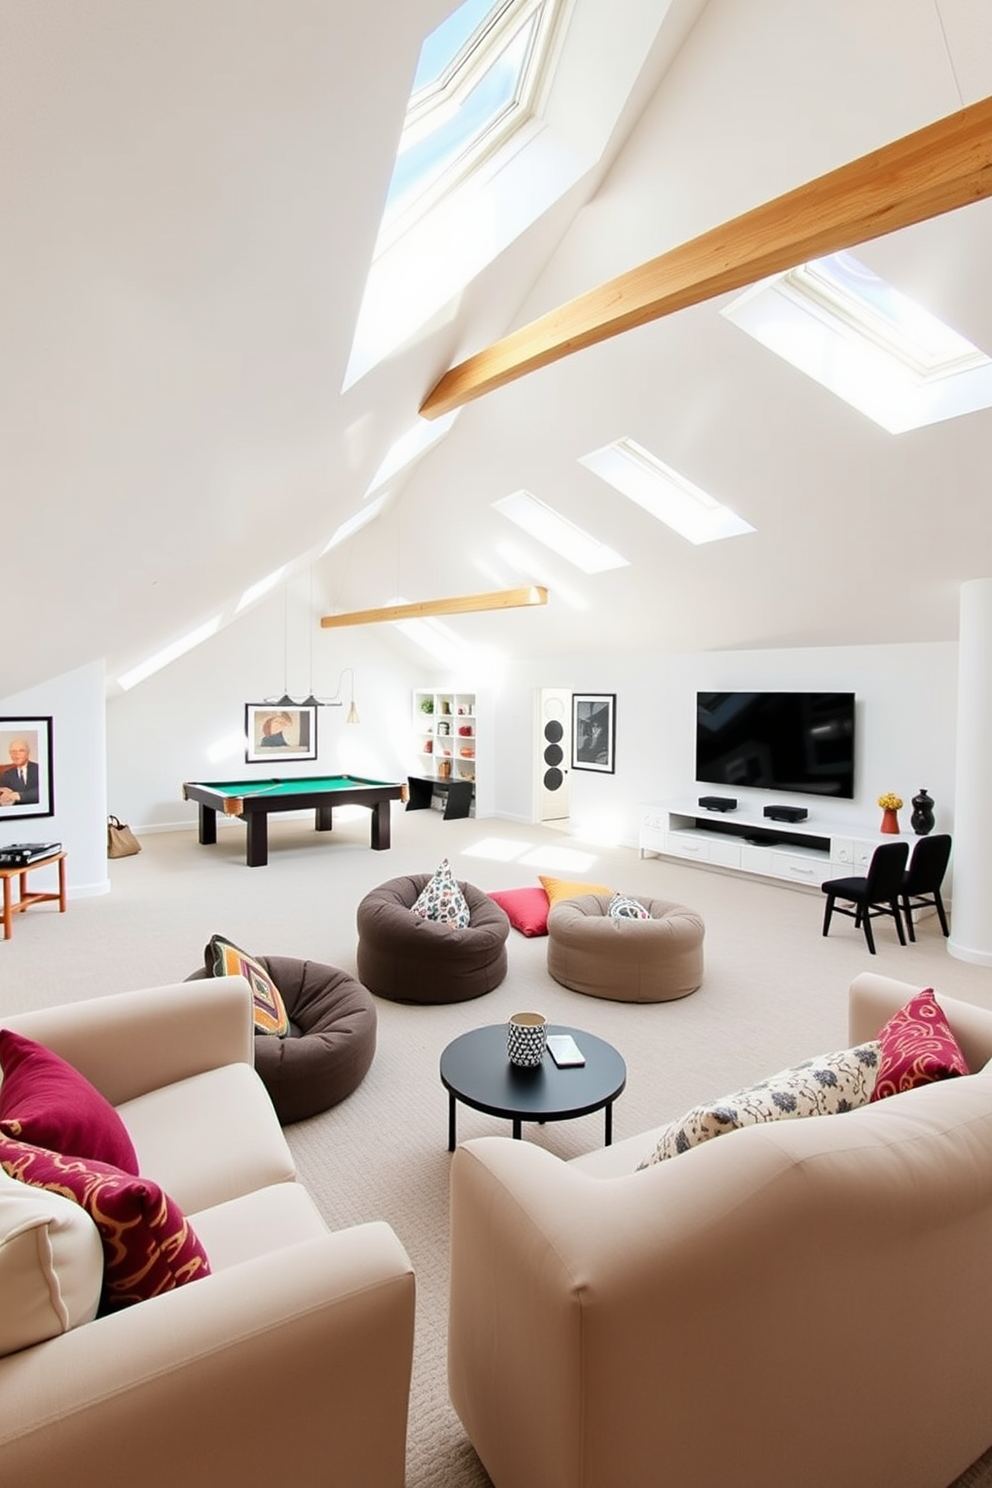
[781,741]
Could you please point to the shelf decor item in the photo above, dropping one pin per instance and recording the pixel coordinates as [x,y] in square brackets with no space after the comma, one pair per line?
[922,819]
[890,804]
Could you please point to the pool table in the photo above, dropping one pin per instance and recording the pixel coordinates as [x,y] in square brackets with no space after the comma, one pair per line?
[252,800]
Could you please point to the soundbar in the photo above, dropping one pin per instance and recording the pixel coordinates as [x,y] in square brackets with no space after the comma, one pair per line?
[718,803]
[786,813]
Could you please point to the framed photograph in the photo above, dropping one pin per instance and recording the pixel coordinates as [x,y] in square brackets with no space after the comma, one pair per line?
[26,787]
[276,733]
[594,726]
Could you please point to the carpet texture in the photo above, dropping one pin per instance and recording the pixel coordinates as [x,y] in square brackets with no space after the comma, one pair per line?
[774,991]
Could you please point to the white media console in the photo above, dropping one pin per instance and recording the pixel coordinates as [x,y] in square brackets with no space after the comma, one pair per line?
[744,840]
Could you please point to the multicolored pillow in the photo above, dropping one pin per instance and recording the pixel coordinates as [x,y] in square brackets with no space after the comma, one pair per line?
[46,1101]
[823,1086]
[622,907]
[917,1046]
[442,900]
[148,1245]
[526,909]
[223,958]
[558,889]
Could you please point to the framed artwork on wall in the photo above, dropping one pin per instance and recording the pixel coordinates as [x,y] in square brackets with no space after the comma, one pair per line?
[26,787]
[274,733]
[594,726]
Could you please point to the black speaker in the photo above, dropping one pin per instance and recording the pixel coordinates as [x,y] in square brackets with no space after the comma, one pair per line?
[786,813]
[719,803]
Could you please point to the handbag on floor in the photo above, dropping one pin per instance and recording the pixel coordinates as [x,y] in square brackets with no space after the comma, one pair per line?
[121,841]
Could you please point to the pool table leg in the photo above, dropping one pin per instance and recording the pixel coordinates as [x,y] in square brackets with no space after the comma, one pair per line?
[324,818]
[257,847]
[208,825]
[380,825]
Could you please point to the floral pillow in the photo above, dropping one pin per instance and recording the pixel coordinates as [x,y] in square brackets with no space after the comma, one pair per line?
[823,1086]
[623,907]
[442,900]
[917,1046]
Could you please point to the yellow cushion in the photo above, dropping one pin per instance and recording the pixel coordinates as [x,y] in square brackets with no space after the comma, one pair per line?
[558,889]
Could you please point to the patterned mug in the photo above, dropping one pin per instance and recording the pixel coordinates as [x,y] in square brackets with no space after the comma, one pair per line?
[526,1038]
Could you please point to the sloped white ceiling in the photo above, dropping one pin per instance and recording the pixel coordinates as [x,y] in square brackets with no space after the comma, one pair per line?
[190,194]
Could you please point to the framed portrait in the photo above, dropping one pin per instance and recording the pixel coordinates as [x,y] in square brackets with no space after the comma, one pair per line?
[276,733]
[594,731]
[26,787]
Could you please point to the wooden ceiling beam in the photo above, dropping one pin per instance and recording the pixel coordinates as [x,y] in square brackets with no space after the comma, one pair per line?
[937,169]
[500,599]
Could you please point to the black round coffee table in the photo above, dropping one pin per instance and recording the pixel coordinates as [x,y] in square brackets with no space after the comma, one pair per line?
[475,1070]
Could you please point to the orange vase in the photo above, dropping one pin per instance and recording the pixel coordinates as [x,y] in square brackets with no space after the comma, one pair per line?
[890,819]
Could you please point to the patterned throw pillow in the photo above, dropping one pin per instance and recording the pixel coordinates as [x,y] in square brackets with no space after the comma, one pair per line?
[148,1246]
[223,958]
[558,889]
[442,900]
[526,909]
[45,1100]
[917,1047]
[822,1086]
[622,907]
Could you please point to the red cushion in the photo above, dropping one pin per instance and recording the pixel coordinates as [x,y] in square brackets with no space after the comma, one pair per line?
[526,909]
[917,1047]
[46,1101]
[148,1246]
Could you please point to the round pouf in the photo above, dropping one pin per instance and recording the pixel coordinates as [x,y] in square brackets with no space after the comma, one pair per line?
[331,1043]
[653,960]
[405,958]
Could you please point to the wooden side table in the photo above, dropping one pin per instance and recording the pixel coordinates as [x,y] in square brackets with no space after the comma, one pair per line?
[25,899]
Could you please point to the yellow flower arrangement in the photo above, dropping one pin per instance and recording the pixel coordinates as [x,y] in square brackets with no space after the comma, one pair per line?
[890,801]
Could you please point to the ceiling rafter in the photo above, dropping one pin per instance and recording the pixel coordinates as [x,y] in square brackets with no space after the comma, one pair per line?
[937,169]
[464,604]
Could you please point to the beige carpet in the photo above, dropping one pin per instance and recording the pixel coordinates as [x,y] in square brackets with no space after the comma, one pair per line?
[775,991]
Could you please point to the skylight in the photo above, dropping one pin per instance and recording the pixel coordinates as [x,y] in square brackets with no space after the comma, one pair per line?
[476,82]
[867,342]
[570,542]
[662,492]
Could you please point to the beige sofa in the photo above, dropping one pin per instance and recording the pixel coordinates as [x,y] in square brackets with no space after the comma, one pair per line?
[291,1361]
[805,1301]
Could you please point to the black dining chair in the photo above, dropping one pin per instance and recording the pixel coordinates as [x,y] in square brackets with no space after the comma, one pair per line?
[877,893]
[923,878]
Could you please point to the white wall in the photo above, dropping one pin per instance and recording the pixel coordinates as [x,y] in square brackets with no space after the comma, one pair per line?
[186,722]
[75,704]
[906,705]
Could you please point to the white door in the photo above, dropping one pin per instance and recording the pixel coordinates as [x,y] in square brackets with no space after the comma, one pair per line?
[553,752]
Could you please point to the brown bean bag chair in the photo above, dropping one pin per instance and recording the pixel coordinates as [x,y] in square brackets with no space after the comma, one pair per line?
[331,1042]
[652,960]
[405,958]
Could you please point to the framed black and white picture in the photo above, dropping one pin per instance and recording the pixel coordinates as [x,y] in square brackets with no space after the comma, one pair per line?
[273,733]
[26,787]
[594,729]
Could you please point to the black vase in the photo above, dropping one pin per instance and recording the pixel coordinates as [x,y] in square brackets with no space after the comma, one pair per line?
[922,818]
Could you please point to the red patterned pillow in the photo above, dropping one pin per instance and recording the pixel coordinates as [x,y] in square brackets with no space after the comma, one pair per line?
[148,1245]
[526,909]
[917,1047]
[46,1101]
